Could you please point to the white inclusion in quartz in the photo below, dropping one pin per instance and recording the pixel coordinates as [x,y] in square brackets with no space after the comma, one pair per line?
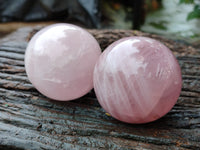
[54,80]
[122,58]
[51,36]
[54,36]
[149,41]
[134,41]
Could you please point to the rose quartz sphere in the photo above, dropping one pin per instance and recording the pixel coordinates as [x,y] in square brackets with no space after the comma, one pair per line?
[137,80]
[60,60]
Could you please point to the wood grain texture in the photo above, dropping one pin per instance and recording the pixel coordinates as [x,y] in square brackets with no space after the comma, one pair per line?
[28,120]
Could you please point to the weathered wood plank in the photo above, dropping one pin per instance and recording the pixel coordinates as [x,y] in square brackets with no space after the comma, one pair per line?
[29,120]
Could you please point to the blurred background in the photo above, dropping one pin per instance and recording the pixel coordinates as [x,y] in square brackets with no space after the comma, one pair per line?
[175,19]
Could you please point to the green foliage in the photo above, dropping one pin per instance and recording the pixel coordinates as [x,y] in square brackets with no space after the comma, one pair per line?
[195,13]
[186,1]
[159,25]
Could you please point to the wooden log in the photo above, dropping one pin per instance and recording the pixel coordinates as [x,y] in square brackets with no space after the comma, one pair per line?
[29,120]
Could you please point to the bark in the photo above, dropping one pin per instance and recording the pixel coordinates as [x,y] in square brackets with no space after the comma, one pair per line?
[28,120]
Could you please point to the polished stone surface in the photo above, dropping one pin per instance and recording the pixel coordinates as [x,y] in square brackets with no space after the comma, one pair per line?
[137,80]
[60,60]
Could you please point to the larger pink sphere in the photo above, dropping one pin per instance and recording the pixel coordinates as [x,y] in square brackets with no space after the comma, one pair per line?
[60,60]
[137,80]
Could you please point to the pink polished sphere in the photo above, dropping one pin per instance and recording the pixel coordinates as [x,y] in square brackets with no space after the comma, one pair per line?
[60,60]
[137,80]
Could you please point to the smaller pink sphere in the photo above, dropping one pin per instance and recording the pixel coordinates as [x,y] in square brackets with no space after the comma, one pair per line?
[137,80]
[60,60]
